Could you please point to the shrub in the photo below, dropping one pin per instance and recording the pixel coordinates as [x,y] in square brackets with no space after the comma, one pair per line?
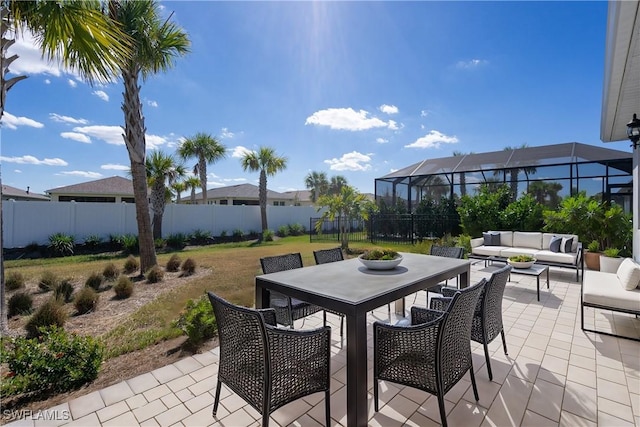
[58,361]
[223,233]
[201,237]
[197,322]
[14,280]
[123,288]
[48,281]
[130,243]
[94,280]
[238,234]
[267,235]
[159,243]
[177,240]
[174,263]
[296,229]
[110,271]
[155,274]
[86,300]
[188,267]
[283,231]
[92,241]
[20,303]
[63,290]
[61,244]
[115,242]
[51,313]
[131,264]
[32,247]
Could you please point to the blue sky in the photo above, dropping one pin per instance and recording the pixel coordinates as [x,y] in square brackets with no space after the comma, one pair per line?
[358,89]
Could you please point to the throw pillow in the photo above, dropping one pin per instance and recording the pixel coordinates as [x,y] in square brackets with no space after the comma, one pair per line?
[565,245]
[491,239]
[629,274]
[554,244]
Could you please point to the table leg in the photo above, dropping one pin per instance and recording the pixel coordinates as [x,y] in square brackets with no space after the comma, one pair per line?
[357,396]
[262,296]
[464,278]
[547,277]
[400,307]
[538,281]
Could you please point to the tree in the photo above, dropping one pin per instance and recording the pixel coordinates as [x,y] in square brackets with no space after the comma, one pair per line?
[336,184]
[346,206]
[208,150]
[156,43]
[463,177]
[179,187]
[514,171]
[162,169]
[317,183]
[75,33]
[192,183]
[268,163]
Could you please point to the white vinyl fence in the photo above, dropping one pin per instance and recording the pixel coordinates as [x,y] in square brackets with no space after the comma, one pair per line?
[29,222]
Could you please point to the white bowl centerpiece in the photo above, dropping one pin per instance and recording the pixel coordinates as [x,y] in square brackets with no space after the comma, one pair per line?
[380,259]
[522,261]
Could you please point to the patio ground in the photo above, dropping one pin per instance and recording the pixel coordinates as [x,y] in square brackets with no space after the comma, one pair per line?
[555,375]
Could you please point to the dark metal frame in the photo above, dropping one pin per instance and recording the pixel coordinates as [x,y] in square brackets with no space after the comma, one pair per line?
[603,307]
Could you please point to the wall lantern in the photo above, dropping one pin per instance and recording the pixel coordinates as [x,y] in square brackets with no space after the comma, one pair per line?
[633,131]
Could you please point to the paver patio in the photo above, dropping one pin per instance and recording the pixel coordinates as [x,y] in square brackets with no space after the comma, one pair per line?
[554,375]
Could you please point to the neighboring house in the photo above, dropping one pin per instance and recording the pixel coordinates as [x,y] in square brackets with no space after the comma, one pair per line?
[247,194]
[107,190]
[12,193]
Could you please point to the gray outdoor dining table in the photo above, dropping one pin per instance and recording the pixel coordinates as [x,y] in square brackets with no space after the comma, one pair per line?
[350,288]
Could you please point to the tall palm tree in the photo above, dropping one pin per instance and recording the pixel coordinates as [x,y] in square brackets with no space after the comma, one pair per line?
[336,184]
[75,32]
[514,171]
[162,170]
[268,163]
[463,178]
[208,150]
[157,42]
[179,187]
[317,183]
[192,183]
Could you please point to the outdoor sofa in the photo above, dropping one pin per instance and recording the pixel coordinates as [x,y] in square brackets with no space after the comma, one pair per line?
[553,249]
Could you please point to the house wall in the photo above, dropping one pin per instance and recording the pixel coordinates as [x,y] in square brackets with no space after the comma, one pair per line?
[27,222]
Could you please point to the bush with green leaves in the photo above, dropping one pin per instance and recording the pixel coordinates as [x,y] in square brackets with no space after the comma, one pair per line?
[297,229]
[159,243]
[173,264]
[177,240]
[86,300]
[188,267]
[63,290]
[61,244]
[14,280]
[115,242]
[523,214]
[482,211]
[94,280]
[130,244]
[55,362]
[197,322]
[20,303]
[48,281]
[131,264]
[238,234]
[92,241]
[155,274]
[283,231]
[267,235]
[123,287]
[201,237]
[110,272]
[51,313]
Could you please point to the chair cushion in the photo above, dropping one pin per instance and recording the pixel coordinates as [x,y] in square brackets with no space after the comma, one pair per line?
[523,239]
[604,289]
[554,244]
[566,245]
[558,257]
[629,274]
[488,250]
[491,238]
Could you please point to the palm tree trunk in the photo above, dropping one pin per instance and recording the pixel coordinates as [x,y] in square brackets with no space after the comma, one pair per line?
[193,195]
[134,139]
[157,207]
[202,169]
[262,196]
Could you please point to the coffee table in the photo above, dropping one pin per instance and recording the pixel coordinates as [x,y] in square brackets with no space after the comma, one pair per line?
[534,270]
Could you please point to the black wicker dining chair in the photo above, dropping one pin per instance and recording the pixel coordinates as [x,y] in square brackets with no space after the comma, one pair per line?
[433,353]
[287,309]
[487,318]
[443,251]
[268,366]
[324,256]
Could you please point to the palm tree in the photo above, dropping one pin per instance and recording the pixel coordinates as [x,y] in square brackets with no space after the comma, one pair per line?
[179,187]
[192,183]
[463,178]
[75,32]
[336,184]
[208,150]
[317,183]
[162,169]
[157,42]
[268,163]
[514,171]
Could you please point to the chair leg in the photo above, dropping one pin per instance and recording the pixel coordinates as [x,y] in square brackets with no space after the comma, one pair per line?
[375,395]
[504,342]
[443,414]
[217,398]
[327,407]
[265,419]
[488,359]
[341,327]
[473,383]
[324,317]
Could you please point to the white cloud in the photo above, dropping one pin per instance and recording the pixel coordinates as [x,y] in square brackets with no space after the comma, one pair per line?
[151,103]
[47,81]
[12,122]
[101,94]
[424,113]
[346,119]
[80,137]
[473,63]
[109,134]
[226,133]
[17,171]
[393,125]
[66,119]
[353,161]
[240,151]
[388,109]
[30,59]
[234,179]
[433,140]
[30,160]
[111,166]
[392,170]
[84,174]
[72,83]
[381,140]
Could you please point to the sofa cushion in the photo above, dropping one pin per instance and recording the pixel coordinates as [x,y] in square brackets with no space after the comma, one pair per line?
[554,244]
[506,237]
[628,274]
[556,257]
[604,289]
[509,252]
[546,239]
[488,250]
[566,244]
[523,239]
[491,238]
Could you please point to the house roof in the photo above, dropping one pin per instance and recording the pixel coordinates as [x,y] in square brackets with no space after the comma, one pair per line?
[241,191]
[113,185]
[300,195]
[9,192]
